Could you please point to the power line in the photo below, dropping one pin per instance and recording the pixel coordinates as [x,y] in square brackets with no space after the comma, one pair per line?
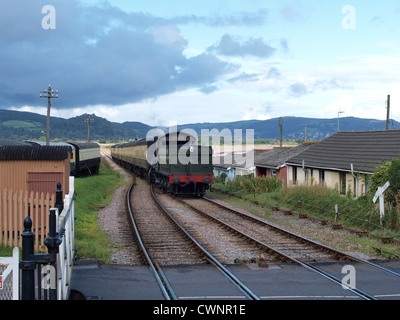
[55,105]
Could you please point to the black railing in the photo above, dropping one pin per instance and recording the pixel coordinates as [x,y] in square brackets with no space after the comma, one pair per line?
[43,263]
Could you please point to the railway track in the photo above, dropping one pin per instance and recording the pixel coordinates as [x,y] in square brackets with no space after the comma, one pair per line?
[164,241]
[283,241]
[282,245]
[277,244]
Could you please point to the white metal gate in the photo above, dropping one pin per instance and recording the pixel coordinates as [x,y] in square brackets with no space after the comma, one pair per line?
[9,275]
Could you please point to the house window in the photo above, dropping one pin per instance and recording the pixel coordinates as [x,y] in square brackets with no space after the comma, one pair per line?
[294,174]
[342,181]
[366,179]
[273,173]
[322,177]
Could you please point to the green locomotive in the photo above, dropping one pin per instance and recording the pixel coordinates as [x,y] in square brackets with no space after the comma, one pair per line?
[173,161]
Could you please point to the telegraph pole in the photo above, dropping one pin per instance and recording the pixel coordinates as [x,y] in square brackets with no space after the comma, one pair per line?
[280,131]
[89,120]
[338,117]
[49,93]
[388,112]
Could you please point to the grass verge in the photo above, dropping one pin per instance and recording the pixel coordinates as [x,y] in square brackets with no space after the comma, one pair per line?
[6,251]
[93,191]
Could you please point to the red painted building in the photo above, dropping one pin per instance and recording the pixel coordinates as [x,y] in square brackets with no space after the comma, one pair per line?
[272,163]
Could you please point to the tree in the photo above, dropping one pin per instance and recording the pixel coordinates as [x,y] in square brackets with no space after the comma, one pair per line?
[394,175]
[388,171]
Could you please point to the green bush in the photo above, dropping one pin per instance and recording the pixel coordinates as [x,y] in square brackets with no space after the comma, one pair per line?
[221,178]
[262,184]
[388,171]
[253,185]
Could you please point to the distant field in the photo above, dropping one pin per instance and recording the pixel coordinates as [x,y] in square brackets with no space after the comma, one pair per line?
[107,146]
[22,124]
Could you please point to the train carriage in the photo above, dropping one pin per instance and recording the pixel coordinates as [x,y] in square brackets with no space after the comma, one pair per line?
[87,157]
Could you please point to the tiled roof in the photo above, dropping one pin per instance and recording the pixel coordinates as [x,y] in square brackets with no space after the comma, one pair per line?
[277,157]
[366,150]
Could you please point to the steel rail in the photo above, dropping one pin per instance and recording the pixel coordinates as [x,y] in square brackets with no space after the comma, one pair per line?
[270,249]
[304,239]
[162,281]
[238,283]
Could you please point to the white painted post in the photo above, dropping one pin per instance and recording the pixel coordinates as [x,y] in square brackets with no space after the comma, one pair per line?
[380,193]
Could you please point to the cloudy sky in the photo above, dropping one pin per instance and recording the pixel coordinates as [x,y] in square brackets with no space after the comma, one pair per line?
[189,61]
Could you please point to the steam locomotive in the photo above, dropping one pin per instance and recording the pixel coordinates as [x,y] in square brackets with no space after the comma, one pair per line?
[173,161]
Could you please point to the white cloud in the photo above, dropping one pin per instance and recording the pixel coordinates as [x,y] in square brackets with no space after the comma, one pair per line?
[39,110]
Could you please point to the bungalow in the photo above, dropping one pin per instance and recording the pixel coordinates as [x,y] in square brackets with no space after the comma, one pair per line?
[345,160]
[232,164]
[272,163]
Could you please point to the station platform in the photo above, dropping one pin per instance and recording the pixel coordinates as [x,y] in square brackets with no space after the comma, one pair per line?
[99,281]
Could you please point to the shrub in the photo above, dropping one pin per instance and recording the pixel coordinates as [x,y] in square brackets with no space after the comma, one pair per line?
[255,185]
[321,200]
[388,171]
[262,184]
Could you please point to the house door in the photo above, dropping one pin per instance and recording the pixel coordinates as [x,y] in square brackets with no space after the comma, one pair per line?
[44,181]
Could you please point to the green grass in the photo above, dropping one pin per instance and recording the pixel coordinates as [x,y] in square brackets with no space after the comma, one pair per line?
[21,124]
[6,251]
[93,191]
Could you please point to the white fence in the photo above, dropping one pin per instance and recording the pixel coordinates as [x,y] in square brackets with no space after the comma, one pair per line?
[66,226]
[9,266]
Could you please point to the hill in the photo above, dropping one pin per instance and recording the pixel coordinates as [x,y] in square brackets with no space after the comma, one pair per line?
[27,125]
[294,127]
